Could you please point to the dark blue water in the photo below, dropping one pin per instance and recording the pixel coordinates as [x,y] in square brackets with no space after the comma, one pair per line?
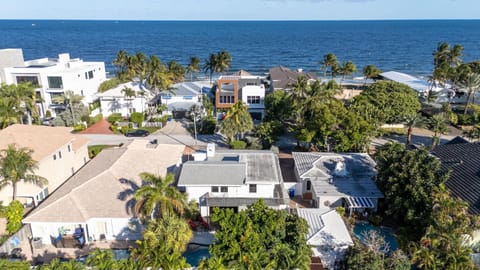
[255,46]
[361,228]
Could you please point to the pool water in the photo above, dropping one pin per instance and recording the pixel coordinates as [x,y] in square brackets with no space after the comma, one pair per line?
[194,257]
[361,228]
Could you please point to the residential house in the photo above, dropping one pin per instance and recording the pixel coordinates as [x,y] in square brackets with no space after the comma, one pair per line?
[52,77]
[99,197]
[333,179]
[327,235]
[59,154]
[115,100]
[233,179]
[283,78]
[184,96]
[247,88]
[463,160]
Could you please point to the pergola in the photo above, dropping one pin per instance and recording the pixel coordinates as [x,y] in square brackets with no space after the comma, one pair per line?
[359,203]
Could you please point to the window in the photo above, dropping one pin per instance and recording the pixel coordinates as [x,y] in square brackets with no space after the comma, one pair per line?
[31,79]
[227,99]
[224,189]
[187,97]
[253,99]
[69,148]
[251,83]
[214,189]
[309,185]
[90,74]
[55,82]
[54,157]
[59,154]
[252,188]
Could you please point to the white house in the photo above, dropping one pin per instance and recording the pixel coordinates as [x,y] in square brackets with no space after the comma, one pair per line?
[115,100]
[184,96]
[333,179]
[59,154]
[99,196]
[233,178]
[327,235]
[52,76]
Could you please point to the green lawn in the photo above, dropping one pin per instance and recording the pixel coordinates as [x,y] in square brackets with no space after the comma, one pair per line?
[94,150]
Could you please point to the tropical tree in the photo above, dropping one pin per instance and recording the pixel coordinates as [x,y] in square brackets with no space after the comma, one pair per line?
[120,63]
[101,260]
[438,124]
[159,78]
[7,114]
[470,85]
[329,61]
[70,100]
[17,165]
[370,72]
[223,61]
[20,99]
[347,69]
[177,71]
[209,65]
[128,93]
[193,66]
[414,121]
[237,121]
[158,197]
[408,179]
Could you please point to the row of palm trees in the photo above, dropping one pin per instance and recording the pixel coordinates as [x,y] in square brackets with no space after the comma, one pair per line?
[17,102]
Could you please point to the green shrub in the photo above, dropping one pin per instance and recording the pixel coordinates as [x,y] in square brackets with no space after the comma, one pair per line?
[465,119]
[94,150]
[137,118]
[14,215]
[238,144]
[114,117]
[375,219]
[95,119]
[48,113]
[109,84]
[207,126]
[340,210]
[79,127]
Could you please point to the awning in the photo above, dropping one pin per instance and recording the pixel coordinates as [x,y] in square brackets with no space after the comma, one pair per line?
[359,202]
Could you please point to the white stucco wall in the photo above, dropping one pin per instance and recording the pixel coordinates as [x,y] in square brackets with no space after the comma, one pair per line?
[113,229]
[263,191]
[121,105]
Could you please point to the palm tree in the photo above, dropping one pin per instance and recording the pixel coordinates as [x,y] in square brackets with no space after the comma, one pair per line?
[329,60]
[413,121]
[140,66]
[120,63]
[223,61]
[237,121]
[347,69]
[455,55]
[209,65]
[470,85]
[441,54]
[69,99]
[16,165]
[158,78]
[7,114]
[177,70]
[438,124]
[158,196]
[370,72]
[194,66]
[128,94]
[23,99]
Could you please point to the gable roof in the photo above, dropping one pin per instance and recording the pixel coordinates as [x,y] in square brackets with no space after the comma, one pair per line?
[44,140]
[338,174]
[95,190]
[282,77]
[463,160]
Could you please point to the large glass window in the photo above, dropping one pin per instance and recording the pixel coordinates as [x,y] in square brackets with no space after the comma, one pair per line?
[31,79]
[55,82]
[253,99]
[227,99]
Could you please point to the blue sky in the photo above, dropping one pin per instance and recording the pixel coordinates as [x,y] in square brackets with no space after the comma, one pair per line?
[240,9]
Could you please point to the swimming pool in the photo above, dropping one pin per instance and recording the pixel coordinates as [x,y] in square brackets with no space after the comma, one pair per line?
[362,227]
[194,257]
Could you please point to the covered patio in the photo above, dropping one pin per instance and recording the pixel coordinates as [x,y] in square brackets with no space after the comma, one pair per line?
[359,203]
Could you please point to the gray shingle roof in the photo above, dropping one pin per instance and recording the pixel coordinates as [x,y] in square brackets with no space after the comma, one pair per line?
[283,77]
[463,159]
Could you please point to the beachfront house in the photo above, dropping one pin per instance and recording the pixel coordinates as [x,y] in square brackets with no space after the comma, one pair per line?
[232,179]
[327,235]
[183,96]
[59,154]
[333,179]
[245,87]
[52,77]
[116,100]
[283,78]
[98,198]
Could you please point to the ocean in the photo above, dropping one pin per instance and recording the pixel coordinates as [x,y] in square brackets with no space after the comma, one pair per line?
[255,46]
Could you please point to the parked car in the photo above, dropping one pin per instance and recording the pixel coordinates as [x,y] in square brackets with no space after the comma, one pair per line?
[137,133]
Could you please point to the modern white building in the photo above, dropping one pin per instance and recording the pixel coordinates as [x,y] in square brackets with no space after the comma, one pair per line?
[99,197]
[52,76]
[233,179]
[247,88]
[115,100]
[333,179]
[59,154]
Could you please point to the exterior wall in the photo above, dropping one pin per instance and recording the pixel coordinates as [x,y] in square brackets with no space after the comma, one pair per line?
[80,157]
[113,229]
[48,230]
[253,90]
[121,105]
[263,191]
[218,93]
[10,58]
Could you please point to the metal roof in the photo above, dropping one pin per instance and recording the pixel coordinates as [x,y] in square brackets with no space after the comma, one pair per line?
[416,84]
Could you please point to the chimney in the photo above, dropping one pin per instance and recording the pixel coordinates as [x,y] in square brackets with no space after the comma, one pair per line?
[210,150]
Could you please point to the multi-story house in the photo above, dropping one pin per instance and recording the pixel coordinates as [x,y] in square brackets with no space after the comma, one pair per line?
[52,77]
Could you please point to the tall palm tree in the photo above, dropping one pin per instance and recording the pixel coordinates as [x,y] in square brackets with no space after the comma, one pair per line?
[140,66]
[17,165]
[23,99]
[128,93]
[237,121]
[223,61]
[370,72]
[7,114]
[158,197]
[470,85]
[413,121]
[438,124]
[193,66]
[177,70]
[70,100]
[120,63]
[455,55]
[329,61]
[441,54]
[347,69]
[209,65]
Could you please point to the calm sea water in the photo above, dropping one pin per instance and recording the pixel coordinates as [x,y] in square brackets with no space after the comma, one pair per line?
[255,46]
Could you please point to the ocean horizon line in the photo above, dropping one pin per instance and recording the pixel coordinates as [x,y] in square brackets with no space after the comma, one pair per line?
[253,20]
